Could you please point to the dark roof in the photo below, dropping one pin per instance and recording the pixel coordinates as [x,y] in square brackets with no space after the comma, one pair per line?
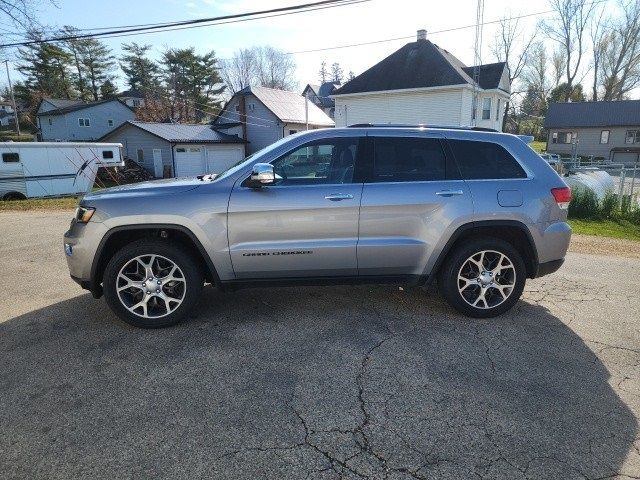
[182,132]
[132,93]
[62,102]
[593,114]
[323,91]
[490,74]
[80,106]
[420,64]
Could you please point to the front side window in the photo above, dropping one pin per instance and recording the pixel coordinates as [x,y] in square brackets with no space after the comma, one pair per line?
[485,160]
[319,162]
[486,108]
[604,136]
[10,157]
[399,159]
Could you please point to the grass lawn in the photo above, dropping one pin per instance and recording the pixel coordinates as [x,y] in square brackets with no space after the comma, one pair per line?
[538,146]
[66,203]
[6,136]
[606,228]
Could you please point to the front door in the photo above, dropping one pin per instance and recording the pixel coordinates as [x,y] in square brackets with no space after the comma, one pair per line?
[157,163]
[411,198]
[306,225]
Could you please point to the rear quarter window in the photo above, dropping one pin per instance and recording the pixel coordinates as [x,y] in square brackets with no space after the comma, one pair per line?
[485,160]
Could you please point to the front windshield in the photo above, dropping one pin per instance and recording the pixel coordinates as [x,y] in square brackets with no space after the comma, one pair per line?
[241,164]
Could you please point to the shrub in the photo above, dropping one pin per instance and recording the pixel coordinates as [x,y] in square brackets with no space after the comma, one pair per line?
[584,204]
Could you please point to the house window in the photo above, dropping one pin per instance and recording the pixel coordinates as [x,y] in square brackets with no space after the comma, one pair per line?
[633,136]
[474,107]
[554,137]
[486,108]
[252,107]
[291,132]
[140,155]
[604,136]
[566,137]
[110,123]
[180,150]
[498,110]
[237,108]
[50,122]
[10,157]
[136,102]
[106,154]
[84,122]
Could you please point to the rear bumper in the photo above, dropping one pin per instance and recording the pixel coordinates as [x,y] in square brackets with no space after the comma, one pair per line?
[548,267]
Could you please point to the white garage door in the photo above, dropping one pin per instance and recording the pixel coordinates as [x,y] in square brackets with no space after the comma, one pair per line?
[221,157]
[189,161]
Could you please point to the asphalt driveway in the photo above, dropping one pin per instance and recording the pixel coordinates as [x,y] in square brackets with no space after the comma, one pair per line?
[318,383]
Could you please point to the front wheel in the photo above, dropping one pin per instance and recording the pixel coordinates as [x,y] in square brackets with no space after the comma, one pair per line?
[483,278]
[152,284]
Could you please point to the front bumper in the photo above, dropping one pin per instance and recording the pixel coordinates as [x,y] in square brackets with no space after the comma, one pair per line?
[548,267]
[80,245]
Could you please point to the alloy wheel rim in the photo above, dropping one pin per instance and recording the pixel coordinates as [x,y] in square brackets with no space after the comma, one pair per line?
[486,279]
[151,286]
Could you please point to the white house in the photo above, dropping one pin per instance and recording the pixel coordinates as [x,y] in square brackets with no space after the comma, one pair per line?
[262,116]
[422,83]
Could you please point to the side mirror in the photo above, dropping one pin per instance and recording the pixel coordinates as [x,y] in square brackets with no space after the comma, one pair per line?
[262,174]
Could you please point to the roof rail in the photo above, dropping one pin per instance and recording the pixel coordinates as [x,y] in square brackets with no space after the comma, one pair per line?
[419,125]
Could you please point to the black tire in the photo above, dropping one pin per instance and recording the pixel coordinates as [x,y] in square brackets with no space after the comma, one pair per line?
[191,273]
[448,282]
[13,196]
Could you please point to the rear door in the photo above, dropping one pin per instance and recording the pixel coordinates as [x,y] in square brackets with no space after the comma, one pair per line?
[305,225]
[412,197]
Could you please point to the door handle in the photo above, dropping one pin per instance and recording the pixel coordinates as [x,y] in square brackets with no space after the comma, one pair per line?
[336,197]
[449,193]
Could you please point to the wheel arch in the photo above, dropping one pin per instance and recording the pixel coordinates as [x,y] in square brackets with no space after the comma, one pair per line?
[13,195]
[512,231]
[118,237]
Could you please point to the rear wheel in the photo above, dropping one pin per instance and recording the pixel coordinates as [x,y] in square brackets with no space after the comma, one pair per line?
[483,278]
[152,284]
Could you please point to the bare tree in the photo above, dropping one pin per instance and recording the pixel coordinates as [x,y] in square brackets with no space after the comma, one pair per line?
[599,39]
[240,70]
[276,69]
[621,55]
[512,46]
[568,28]
[21,13]
[264,66]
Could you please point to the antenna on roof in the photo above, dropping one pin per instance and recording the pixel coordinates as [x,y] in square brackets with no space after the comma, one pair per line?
[477,59]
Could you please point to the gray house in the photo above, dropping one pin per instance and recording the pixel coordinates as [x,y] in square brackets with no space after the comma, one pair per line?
[320,95]
[607,130]
[61,120]
[180,150]
[263,116]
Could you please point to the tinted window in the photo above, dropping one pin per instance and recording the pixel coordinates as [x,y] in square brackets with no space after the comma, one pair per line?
[408,160]
[485,160]
[10,157]
[323,161]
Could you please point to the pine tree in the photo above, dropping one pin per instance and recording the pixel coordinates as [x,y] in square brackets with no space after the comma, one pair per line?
[323,73]
[336,72]
[98,63]
[107,90]
[141,72]
[351,76]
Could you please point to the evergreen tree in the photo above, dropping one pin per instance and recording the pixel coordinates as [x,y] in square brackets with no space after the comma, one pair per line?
[107,90]
[566,93]
[336,72]
[323,73]
[98,63]
[46,68]
[351,76]
[141,72]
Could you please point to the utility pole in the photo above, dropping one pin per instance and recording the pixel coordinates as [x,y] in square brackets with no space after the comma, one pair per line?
[13,98]
[306,109]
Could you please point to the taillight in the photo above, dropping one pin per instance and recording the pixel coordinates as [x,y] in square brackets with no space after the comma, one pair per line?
[562,195]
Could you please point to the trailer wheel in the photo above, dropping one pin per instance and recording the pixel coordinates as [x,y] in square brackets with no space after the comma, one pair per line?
[14,196]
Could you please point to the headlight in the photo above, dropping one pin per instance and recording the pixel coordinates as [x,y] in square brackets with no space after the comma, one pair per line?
[84,214]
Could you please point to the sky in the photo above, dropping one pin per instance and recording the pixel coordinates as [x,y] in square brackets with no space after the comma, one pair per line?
[364,22]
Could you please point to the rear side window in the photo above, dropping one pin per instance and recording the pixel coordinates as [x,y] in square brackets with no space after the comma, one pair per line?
[10,157]
[485,160]
[408,160]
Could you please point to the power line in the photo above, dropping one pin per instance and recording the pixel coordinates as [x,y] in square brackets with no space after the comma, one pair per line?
[170,26]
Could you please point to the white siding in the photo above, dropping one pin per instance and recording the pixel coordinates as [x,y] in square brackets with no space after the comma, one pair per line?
[447,107]
[441,107]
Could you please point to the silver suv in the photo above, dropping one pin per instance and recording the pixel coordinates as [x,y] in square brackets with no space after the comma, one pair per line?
[478,211]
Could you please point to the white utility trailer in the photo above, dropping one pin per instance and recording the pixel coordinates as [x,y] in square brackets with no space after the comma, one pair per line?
[47,169]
